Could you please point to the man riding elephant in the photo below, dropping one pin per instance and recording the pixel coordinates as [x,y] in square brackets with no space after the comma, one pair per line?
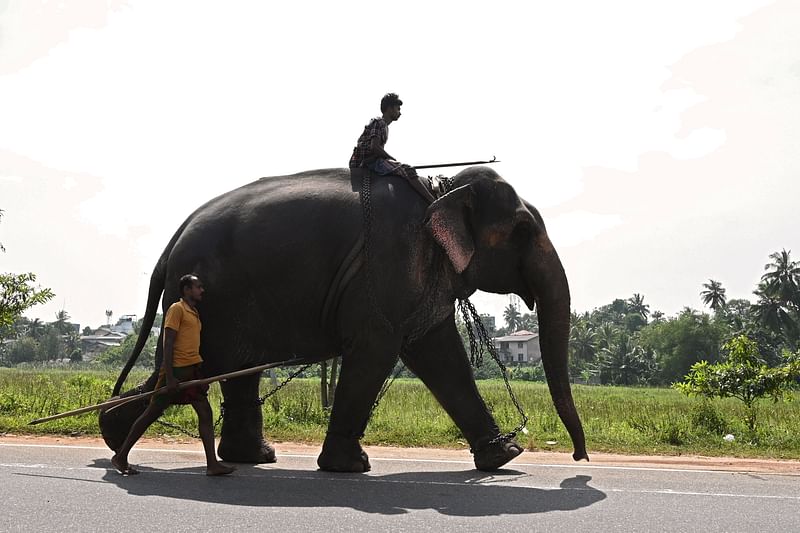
[370,154]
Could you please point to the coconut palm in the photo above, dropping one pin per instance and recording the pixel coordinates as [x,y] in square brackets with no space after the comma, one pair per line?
[62,322]
[624,362]
[606,335]
[775,314]
[714,295]
[782,280]
[512,318]
[109,314]
[583,341]
[36,328]
[636,304]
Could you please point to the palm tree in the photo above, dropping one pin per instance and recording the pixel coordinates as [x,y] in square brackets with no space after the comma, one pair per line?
[775,315]
[62,322]
[657,316]
[636,305]
[714,295]
[782,281]
[109,314]
[606,335]
[624,362]
[512,317]
[36,328]
[583,341]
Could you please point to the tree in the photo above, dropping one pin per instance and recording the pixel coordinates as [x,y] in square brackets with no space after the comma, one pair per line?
[782,280]
[713,295]
[109,314]
[624,362]
[742,374]
[51,347]
[680,342]
[636,305]
[582,345]
[72,346]
[512,317]
[529,322]
[776,315]
[62,324]
[119,355]
[16,296]
[22,351]
[37,328]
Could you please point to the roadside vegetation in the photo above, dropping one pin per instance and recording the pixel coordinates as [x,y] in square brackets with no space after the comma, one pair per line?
[616,419]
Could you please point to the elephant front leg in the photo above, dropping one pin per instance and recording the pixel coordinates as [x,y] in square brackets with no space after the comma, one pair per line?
[242,436]
[440,361]
[364,369]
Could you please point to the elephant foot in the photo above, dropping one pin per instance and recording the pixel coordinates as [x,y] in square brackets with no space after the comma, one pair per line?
[494,455]
[342,454]
[240,451]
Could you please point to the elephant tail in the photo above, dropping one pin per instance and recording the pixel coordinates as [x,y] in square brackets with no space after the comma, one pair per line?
[157,281]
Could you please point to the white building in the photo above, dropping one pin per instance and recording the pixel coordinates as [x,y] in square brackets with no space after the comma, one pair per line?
[519,347]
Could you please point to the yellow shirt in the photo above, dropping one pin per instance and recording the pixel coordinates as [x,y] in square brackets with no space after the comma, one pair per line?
[184,320]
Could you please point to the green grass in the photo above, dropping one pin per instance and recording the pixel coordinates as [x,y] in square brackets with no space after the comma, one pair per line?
[615,419]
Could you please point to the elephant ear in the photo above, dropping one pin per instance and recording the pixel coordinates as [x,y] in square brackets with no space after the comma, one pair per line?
[447,221]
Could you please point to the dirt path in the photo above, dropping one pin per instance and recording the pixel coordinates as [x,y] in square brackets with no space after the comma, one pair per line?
[727,464]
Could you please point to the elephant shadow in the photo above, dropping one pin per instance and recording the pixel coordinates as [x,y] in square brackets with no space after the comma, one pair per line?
[453,493]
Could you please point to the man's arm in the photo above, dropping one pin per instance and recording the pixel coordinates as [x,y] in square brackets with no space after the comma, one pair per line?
[169,347]
[378,151]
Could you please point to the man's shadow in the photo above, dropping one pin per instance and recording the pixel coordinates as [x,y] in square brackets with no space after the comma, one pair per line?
[457,493]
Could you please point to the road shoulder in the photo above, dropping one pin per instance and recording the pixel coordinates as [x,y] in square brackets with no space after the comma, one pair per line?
[724,464]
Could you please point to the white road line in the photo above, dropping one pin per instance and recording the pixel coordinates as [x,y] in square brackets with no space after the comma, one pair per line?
[581,466]
[373,479]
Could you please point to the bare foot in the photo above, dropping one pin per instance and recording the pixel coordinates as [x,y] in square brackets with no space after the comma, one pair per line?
[123,467]
[219,469]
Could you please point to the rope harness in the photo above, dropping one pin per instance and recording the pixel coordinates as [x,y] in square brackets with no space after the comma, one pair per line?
[479,339]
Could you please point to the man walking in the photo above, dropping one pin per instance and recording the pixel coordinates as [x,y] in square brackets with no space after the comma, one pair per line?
[181,363]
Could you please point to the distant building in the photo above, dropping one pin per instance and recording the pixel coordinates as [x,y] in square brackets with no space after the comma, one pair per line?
[100,340]
[519,347]
[124,324]
[488,323]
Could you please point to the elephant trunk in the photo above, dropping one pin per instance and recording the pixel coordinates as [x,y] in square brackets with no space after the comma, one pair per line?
[549,283]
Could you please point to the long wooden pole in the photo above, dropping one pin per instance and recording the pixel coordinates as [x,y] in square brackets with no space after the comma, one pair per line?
[461,164]
[183,385]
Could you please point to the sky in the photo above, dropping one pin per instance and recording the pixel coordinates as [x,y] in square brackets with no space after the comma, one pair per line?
[659,140]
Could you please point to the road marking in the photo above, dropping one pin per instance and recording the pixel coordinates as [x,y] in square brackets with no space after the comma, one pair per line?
[373,479]
[582,466]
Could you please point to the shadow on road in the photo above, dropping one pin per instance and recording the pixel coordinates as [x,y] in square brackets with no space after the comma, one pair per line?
[460,493]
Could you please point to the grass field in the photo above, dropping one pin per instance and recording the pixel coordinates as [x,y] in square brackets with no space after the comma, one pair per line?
[615,419]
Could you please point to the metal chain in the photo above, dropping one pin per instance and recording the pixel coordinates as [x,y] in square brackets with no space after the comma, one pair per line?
[258,402]
[473,320]
[366,211]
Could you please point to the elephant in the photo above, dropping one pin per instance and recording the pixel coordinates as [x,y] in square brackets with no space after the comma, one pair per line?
[293,272]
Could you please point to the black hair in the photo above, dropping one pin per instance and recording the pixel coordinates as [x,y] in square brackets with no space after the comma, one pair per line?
[187,281]
[390,100]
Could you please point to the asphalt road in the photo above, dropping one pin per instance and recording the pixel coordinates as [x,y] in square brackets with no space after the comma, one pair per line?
[73,488]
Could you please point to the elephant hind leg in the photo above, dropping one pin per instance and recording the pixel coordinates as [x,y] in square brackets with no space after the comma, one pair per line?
[242,437]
